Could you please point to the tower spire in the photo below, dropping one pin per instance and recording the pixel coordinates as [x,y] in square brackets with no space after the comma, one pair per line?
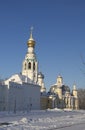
[31,30]
[31,41]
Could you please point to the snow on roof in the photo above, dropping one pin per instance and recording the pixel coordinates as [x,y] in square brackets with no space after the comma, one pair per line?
[18,78]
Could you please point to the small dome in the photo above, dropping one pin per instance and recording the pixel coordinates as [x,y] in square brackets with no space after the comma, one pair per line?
[65,88]
[53,88]
[59,76]
[40,75]
[31,43]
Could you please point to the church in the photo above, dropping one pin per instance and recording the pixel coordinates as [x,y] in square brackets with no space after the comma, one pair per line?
[65,98]
[26,91]
[21,92]
[60,96]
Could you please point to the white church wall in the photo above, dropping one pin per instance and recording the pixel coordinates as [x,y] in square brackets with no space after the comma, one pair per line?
[23,97]
[3,97]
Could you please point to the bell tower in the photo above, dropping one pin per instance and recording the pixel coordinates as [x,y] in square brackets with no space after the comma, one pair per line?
[30,64]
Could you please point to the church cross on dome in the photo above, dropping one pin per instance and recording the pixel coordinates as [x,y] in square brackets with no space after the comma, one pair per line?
[31,41]
[31,31]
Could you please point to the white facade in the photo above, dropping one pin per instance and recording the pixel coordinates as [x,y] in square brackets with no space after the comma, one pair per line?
[19,97]
[20,93]
[3,97]
[23,97]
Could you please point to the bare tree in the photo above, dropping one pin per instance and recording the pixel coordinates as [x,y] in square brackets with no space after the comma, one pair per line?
[83,63]
[81,95]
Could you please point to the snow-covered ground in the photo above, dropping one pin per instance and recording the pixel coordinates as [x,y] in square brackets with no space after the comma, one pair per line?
[43,120]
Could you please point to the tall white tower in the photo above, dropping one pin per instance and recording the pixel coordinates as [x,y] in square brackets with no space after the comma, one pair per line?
[41,82]
[59,86]
[30,64]
[75,92]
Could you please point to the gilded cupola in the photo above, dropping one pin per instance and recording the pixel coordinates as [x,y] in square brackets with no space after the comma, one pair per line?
[31,41]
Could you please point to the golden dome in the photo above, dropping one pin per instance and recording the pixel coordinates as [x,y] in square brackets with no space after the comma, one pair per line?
[31,41]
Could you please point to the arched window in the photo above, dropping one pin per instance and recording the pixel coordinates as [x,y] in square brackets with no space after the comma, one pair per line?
[25,66]
[34,66]
[29,65]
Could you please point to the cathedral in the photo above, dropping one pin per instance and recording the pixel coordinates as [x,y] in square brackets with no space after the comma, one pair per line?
[65,98]
[60,96]
[26,91]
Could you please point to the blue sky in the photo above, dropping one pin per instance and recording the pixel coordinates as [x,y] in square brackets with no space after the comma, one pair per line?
[59,31]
